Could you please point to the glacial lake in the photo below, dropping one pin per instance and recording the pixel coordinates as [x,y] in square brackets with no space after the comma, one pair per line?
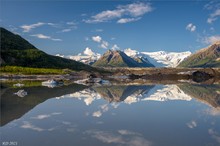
[116,115]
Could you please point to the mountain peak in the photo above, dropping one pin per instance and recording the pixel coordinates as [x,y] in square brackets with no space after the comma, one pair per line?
[117,58]
[207,57]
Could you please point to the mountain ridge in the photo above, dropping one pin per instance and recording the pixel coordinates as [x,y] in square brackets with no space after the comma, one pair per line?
[117,58]
[17,51]
[158,59]
[206,57]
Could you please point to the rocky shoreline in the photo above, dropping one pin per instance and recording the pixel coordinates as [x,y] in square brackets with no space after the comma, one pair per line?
[131,74]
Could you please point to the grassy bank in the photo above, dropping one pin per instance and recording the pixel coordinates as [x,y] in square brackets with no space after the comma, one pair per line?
[31,71]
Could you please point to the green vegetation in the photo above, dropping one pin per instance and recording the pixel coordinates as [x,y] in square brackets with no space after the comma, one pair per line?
[206,93]
[31,71]
[16,51]
[208,57]
[27,83]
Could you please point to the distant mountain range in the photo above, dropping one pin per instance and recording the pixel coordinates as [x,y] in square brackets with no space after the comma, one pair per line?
[17,51]
[160,58]
[145,59]
[207,57]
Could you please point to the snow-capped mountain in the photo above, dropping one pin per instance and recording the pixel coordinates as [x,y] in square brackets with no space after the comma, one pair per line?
[168,92]
[138,94]
[87,57]
[160,58]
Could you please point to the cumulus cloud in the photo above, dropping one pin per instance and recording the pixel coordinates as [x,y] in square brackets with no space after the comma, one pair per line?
[191,27]
[88,52]
[126,20]
[211,39]
[42,36]
[97,39]
[132,10]
[103,44]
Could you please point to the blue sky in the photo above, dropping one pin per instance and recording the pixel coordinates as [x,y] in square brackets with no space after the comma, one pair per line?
[68,27]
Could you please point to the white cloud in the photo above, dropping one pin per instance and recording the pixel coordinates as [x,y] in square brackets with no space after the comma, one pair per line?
[28,125]
[27,28]
[44,116]
[66,30]
[191,27]
[214,135]
[214,16]
[65,26]
[86,38]
[42,36]
[71,23]
[192,124]
[127,138]
[131,10]
[88,52]
[51,24]
[97,39]
[40,117]
[55,39]
[89,100]
[211,39]
[97,114]
[212,5]
[105,107]
[127,132]
[104,45]
[126,20]
[99,30]
[115,47]
[136,9]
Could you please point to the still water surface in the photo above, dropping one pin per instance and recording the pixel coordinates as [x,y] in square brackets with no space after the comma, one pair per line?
[119,115]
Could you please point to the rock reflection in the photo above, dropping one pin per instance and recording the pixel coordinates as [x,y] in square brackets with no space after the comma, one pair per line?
[13,107]
[208,94]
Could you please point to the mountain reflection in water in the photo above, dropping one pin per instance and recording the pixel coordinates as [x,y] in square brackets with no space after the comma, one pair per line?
[136,115]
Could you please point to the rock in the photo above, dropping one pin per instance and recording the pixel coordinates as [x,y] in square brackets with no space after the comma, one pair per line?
[200,76]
